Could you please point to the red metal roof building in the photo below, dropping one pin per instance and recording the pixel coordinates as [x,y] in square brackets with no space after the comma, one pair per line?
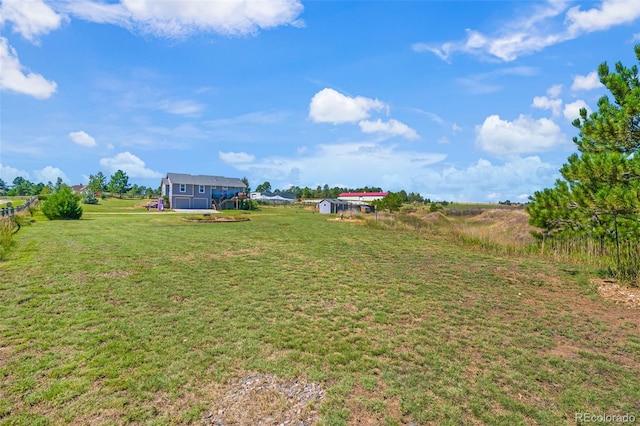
[362,197]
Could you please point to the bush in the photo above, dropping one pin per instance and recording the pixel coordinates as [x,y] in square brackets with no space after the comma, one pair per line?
[88,197]
[63,204]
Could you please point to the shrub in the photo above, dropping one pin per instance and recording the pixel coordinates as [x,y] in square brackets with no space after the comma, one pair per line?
[63,204]
[88,197]
[434,207]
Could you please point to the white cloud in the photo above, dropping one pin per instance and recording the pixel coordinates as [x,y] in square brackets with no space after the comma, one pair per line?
[175,19]
[82,138]
[533,30]
[50,174]
[610,13]
[484,180]
[572,110]
[258,117]
[359,163]
[236,158]
[31,18]
[133,166]
[491,81]
[186,108]
[587,82]
[8,174]
[555,90]
[330,106]
[391,128]
[523,135]
[13,75]
[521,36]
[543,102]
[364,163]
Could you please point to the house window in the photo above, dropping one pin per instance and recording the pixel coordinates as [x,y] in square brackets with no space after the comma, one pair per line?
[201,189]
[183,187]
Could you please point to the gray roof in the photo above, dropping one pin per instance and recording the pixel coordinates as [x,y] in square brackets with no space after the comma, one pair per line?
[334,201]
[278,194]
[204,180]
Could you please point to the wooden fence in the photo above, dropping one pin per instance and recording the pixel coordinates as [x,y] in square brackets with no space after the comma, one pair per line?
[10,210]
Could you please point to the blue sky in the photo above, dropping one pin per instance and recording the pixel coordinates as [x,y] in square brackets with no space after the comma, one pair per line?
[463,101]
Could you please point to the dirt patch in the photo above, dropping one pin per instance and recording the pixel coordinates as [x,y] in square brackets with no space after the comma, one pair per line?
[216,219]
[346,219]
[371,407]
[564,350]
[261,399]
[610,290]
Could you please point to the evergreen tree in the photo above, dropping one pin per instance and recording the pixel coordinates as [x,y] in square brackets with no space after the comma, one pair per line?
[62,204]
[119,183]
[599,195]
[247,187]
[98,182]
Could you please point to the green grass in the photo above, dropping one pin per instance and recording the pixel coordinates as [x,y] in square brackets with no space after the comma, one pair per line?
[117,319]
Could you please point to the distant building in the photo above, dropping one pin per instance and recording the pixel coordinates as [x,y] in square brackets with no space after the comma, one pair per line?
[361,197]
[78,189]
[273,197]
[200,191]
[331,205]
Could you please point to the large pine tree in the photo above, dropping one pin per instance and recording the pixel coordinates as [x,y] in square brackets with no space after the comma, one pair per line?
[599,195]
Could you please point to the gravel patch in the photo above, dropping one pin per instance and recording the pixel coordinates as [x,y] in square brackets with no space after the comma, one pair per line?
[260,399]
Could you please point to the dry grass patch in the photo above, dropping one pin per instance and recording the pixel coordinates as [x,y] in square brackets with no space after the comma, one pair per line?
[625,296]
[262,399]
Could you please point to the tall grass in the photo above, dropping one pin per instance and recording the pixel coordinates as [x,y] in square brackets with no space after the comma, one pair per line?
[458,232]
[600,254]
[7,229]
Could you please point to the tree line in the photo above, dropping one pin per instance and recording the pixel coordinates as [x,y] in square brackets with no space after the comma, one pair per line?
[118,183]
[324,191]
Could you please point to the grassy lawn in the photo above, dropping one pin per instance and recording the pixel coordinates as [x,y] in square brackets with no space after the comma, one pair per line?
[117,319]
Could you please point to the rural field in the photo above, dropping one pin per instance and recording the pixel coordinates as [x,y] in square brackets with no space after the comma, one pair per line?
[292,318]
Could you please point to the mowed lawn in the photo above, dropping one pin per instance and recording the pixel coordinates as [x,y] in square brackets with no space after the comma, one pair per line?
[140,319]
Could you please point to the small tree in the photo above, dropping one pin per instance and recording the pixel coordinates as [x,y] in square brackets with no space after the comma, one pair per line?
[62,204]
[264,187]
[247,188]
[119,183]
[392,202]
[98,182]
